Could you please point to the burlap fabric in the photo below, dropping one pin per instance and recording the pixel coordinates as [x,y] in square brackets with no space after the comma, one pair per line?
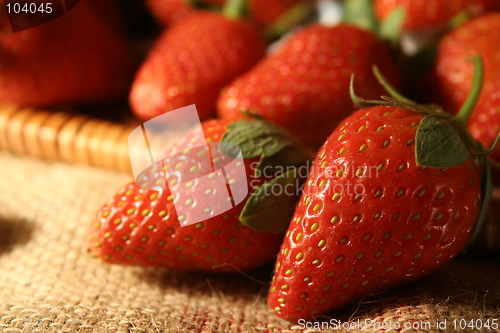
[49,282]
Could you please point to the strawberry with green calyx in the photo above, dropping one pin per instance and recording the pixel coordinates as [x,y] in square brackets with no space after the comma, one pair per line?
[263,13]
[431,14]
[279,15]
[451,131]
[303,86]
[270,206]
[191,62]
[451,73]
[390,198]
[361,14]
[141,226]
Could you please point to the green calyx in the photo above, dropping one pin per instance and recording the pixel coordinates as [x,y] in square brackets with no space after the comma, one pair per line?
[270,206]
[360,13]
[261,138]
[390,28]
[232,9]
[443,140]
[235,9]
[440,143]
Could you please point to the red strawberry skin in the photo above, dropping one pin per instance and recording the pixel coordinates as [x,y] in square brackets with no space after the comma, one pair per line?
[431,14]
[304,86]
[408,221]
[192,62]
[266,12]
[75,58]
[484,125]
[451,76]
[141,227]
[262,12]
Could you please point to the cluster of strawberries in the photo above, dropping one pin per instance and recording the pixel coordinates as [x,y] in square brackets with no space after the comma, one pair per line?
[396,189]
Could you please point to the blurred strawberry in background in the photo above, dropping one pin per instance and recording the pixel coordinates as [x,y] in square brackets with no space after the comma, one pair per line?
[451,74]
[304,85]
[432,14]
[169,12]
[484,125]
[191,62]
[78,57]
[262,12]
[267,12]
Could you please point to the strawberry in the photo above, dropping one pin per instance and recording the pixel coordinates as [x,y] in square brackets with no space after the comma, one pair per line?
[262,12]
[386,202]
[265,12]
[304,85]
[431,14]
[142,226]
[452,72]
[75,58]
[451,75]
[191,62]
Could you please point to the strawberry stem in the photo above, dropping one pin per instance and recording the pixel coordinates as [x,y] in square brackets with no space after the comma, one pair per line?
[235,9]
[355,98]
[492,148]
[285,22]
[361,102]
[389,88]
[477,84]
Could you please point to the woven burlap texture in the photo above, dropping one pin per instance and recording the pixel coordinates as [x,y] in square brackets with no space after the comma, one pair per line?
[50,283]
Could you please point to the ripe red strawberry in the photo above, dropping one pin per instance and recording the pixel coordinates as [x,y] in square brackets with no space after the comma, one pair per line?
[142,226]
[77,57]
[191,62]
[431,14]
[146,232]
[262,12]
[304,85]
[451,75]
[370,217]
[394,194]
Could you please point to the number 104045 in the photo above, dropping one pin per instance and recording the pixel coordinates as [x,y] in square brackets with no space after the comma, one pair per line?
[28,8]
